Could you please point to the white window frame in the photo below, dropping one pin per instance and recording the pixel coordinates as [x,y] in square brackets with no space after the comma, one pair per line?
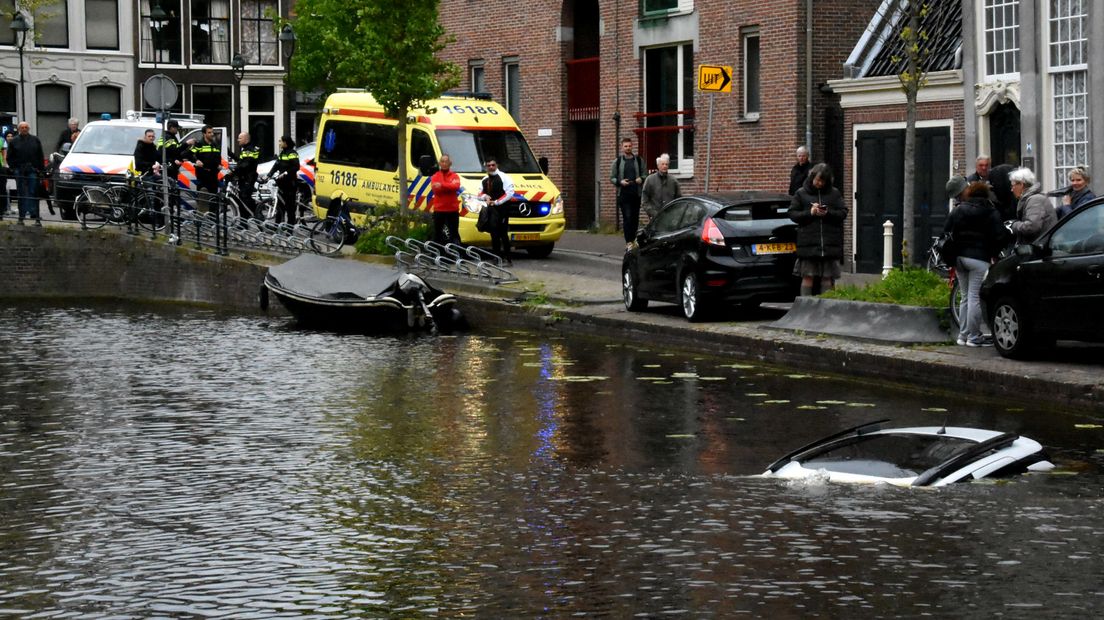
[683,166]
[1009,35]
[508,88]
[1062,105]
[746,35]
[477,67]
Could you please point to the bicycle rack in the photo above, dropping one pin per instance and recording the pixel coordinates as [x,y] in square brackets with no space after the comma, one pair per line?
[450,259]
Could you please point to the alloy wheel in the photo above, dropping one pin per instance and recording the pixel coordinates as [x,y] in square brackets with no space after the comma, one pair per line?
[1006,327]
[690,296]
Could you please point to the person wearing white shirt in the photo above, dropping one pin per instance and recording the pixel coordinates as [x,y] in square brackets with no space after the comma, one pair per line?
[497,190]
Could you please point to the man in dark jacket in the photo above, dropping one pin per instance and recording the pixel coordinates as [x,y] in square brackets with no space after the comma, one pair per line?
[145,153]
[27,163]
[66,136]
[627,175]
[245,172]
[207,157]
[800,170]
[818,210]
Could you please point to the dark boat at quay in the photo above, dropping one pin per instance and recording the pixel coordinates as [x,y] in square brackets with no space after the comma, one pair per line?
[350,296]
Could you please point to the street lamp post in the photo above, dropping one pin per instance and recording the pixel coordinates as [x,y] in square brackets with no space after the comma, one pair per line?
[20,27]
[157,18]
[287,39]
[237,63]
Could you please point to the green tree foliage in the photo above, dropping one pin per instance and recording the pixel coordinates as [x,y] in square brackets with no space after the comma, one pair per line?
[389,47]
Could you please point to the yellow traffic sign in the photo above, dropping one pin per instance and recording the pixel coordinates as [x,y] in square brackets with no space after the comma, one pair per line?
[715,79]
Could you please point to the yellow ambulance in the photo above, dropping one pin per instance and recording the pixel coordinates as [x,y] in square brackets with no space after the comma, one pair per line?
[358,146]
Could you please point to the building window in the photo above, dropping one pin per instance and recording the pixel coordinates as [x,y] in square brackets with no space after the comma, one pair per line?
[7,101]
[161,43]
[1067,60]
[1002,37]
[213,102]
[52,26]
[211,32]
[262,119]
[511,72]
[751,73]
[669,102]
[650,7]
[7,12]
[103,100]
[101,30]
[53,110]
[259,44]
[478,77]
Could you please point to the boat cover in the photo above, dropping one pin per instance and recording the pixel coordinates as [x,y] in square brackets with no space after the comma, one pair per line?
[315,276]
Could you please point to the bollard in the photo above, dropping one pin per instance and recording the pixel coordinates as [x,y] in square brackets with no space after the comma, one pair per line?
[887,248]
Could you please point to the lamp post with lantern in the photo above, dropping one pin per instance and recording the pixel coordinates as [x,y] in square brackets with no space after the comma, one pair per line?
[20,27]
[158,19]
[287,40]
[237,64]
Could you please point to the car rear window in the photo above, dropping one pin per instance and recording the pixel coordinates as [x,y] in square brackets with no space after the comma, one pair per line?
[755,211]
[894,456]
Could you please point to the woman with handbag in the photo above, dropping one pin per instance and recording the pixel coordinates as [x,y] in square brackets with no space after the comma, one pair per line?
[977,236]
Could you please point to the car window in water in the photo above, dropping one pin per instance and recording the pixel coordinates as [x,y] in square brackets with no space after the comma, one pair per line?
[894,456]
[470,148]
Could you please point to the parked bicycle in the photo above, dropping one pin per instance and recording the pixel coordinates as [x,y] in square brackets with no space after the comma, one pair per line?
[329,234]
[134,201]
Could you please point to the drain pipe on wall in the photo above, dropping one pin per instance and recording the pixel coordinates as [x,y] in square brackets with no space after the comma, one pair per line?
[809,77]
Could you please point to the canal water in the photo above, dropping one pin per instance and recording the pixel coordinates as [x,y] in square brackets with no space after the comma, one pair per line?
[164,462]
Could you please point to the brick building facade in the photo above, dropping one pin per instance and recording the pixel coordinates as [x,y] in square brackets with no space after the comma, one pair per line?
[578,75]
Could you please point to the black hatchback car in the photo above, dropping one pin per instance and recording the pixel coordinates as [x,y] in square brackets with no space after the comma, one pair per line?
[705,251]
[1052,289]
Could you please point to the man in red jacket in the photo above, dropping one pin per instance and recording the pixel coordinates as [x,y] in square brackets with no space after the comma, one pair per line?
[446,203]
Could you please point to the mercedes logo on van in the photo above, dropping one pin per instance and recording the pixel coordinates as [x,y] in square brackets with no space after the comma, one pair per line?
[523,209]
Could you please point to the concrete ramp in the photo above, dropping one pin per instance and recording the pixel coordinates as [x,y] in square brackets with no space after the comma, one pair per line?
[866,321]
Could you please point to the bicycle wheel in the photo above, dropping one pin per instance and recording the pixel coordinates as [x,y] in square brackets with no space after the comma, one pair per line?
[327,236]
[150,215]
[95,208]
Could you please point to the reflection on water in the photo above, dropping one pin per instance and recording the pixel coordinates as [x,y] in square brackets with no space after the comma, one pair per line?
[171,462]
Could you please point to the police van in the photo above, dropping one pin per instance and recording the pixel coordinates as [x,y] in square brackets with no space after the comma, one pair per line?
[104,151]
[357,152]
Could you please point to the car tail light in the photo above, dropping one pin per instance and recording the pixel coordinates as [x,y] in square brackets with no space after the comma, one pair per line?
[711,235]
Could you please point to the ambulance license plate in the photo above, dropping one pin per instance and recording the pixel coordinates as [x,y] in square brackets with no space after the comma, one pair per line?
[525,236]
[774,248]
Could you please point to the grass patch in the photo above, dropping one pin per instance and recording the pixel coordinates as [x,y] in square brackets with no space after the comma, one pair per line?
[907,287]
[405,224]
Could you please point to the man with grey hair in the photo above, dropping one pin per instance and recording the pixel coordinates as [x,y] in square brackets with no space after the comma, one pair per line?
[1034,213]
[66,136]
[660,187]
[800,171]
[981,171]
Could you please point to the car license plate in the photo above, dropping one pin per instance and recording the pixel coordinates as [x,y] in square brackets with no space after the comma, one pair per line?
[525,236]
[774,248]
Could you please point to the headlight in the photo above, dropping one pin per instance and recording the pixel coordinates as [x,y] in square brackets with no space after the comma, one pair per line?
[557,205]
[65,175]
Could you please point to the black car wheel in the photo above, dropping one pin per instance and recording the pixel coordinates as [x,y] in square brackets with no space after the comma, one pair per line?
[540,251]
[1011,332]
[633,302]
[690,297]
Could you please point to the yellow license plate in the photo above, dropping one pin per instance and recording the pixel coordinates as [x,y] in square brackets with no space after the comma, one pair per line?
[774,248]
[525,236]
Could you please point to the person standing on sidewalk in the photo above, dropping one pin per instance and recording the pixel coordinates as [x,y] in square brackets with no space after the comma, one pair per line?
[660,187]
[245,173]
[627,175]
[978,233]
[287,184]
[446,202]
[496,189]
[27,161]
[207,157]
[800,170]
[4,172]
[1034,213]
[818,210]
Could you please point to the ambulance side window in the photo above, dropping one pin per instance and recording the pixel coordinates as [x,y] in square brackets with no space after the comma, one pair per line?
[420,144]
[359,144]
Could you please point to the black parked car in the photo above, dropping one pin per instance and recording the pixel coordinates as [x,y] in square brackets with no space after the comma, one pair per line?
[1052,289]
[704,251]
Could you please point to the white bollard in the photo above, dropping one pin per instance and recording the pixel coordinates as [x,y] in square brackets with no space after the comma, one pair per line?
[887,248]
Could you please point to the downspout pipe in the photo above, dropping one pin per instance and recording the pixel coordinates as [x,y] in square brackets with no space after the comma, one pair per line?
[809,77]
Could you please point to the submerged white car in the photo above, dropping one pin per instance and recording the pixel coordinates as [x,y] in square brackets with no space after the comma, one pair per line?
[918,456]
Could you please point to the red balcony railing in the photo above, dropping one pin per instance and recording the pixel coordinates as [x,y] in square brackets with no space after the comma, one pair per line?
[582,89]
[656,137]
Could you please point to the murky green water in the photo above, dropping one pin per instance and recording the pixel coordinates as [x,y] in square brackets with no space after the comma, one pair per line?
[164,462]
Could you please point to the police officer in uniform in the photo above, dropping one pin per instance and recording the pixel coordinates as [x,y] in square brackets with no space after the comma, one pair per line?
[287,163]
[245,173]
[171,151]
[207,157]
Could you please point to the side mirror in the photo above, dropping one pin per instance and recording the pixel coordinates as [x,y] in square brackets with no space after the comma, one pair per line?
[310,162]
[426,165]
[543,163]
[1027,250]
[642,235]
[65,148]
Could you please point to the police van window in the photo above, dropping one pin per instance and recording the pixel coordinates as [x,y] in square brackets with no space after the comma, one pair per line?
[420,144]
[364,145]
[108,139]
[470,148]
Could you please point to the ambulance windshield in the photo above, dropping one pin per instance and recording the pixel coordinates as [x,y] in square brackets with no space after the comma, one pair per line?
[470,148]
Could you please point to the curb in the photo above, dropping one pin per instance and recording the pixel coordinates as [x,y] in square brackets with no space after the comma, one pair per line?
[862,320]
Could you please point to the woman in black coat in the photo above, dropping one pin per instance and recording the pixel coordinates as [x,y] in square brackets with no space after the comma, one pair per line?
[818,210]
[978,236]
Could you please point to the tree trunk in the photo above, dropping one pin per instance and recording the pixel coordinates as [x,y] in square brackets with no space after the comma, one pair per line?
[404,192]
[912,86]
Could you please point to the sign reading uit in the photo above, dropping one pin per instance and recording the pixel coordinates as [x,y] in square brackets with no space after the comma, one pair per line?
[715,79]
